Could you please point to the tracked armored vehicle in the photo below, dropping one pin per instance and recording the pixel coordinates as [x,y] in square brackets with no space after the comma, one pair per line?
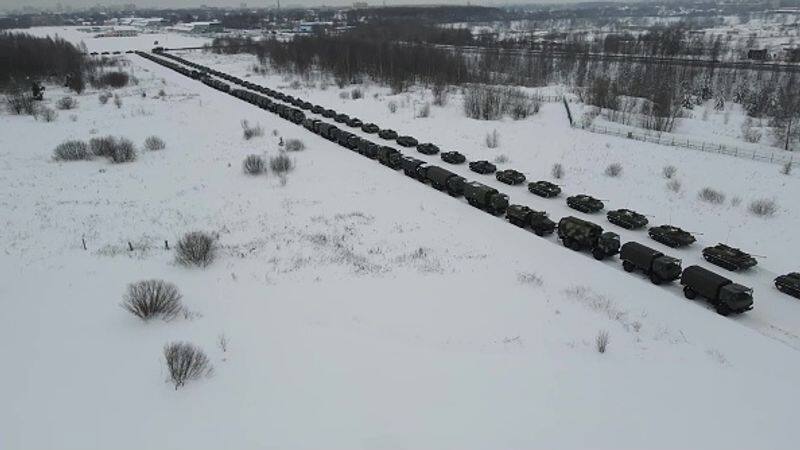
[354,122]
[427,148]
[444,180]
[390,157]
[728,258]
[328,113]
[414,168]
[726,296]
[482,167]
[370,128]
[486,198]
[544,189]
[524,217]
[585,203]
[406,141]
[656,265]
[387,134]
[341,118]
[453,157]
[671,236]
[579,234]
[789,284]
[626,218]
[510,176]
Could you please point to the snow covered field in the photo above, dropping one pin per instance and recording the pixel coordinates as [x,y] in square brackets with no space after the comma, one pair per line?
[364,309]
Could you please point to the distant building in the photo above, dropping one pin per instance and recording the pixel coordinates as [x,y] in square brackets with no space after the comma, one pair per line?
[758,55]
[198,27]
[118,33]
[360,5]
[313,27]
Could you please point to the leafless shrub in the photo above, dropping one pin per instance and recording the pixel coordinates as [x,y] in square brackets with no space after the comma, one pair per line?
[250,132]
[344,95]
[613,170]
[124,151]
[73,118]
[763,207]
[710,195]
[674,185]
[281,164]
[492,140]
[557,171]
[66,103]
[424,110]
[392,105]
[103,146]
[154,143]
[186,362]
[601,341]
[117,101]
[786,169]
[46,114]
[669,172]
[222,342]
[149,299]
[104,97]
[294,145]
[736,201]
[20,103]
[72,151]
[114,80]
[356,94]
[439,94]
[253,165]
[295,84]
[529,278]
[161,93]
[750,134]
[196,248]
[492,102]
[501,159]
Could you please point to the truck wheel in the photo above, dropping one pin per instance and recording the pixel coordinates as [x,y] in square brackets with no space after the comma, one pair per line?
[655,279]
[598,254]
[689,293]
[629,267]
[575,245]
[723,310]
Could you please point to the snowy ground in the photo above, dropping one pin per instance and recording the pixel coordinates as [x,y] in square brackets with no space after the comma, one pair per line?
[366,310]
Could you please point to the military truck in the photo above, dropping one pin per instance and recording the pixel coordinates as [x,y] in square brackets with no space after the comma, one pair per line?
[486,198]
[406,141]
[482,167]
[579,234]
[728,257]
[626,218]
[390,157]
[789,284]
[368,149]
[453,157]
[523,216]
[387,134]
[443,179]
[585,203]
[658,266]
[726,296]
[412,167]
[510,176]
[671,236]
[370,128]
[311,124]
[427,148]
[544,189]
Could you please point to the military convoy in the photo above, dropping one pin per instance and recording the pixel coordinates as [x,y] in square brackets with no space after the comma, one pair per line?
[726,296]
[656,265]
[578,234]
[510,176]
[585,203]
[626,218]
[671,236]
[728,257]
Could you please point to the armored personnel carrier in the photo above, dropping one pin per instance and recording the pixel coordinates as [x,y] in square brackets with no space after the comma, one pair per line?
[544,189]
[726,296]
[387,134]
[407,141]
[510,176]
[789,284]
[328,113]
[370,128]
[585,203]
[354,122]
[482,167]
[443,179]
[658,266]
[728,258]
[412,167]
[524,217]
[390,157]
[579,234]
[453,157]
[485,197]
[427,148]
[627,219]
[671,236]
[341,118]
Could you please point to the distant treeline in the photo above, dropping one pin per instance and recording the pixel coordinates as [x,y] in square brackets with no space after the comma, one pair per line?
[25,58]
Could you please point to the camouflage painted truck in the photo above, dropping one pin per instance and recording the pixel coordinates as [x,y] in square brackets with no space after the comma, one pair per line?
[656,265]
[579,234]
[525,217]
[486,198]
[726,296]
[444,180]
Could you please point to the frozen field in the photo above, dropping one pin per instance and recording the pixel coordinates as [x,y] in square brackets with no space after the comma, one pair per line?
[364,309]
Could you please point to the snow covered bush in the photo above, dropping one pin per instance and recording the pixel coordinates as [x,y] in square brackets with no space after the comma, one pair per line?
[492,102]
[344,95]
[72,151]
[710,195]
[763,207]
[501,159]
[613,170]
[196,248]
[117,101]
[750,134]
[153,143]
[492,139]
[786,169]
[21,103]
[424,111]
[123,151]
[116,79]
[103,146]
[186,362]
[557,171]
[601,341]
[281,164]
[104,97]
[66,103]
[674,185]
[294,145]
[253,165]
[46,114]
[249,132]
[392,105]
[669,172]
[356,94]
[149,299]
